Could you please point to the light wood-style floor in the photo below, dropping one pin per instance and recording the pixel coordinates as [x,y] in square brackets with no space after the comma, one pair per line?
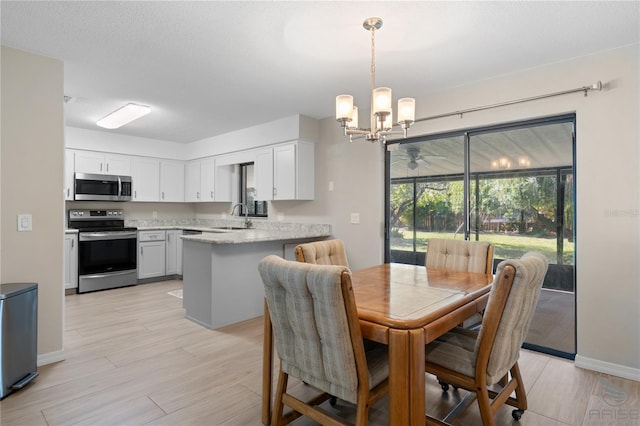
[133,359]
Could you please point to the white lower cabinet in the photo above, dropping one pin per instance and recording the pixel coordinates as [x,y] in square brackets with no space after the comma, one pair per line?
[70,261]
[173,254]
[151,254]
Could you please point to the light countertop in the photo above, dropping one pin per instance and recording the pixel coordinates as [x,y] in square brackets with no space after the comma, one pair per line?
[256,235]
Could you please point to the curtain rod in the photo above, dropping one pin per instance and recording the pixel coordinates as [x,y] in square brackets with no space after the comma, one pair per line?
[595,86]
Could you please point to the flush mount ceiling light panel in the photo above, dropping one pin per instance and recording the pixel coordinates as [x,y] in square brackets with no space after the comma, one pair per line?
[124,115]
[381,110]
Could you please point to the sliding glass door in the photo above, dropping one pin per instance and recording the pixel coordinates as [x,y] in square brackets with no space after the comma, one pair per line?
[511,185]
[426,196]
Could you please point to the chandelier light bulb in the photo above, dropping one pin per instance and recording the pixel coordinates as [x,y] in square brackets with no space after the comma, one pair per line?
[344,107]
[382,100]
[406,110]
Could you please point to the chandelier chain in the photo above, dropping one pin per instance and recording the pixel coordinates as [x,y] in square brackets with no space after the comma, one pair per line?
[373,58]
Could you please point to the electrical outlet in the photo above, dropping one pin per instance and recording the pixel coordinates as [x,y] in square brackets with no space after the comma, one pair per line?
[355,218]
[155,215]
[331,186]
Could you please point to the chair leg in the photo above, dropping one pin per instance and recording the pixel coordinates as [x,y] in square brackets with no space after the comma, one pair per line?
[521,394]
[278,405]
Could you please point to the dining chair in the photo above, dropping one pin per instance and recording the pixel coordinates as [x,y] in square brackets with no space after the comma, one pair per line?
[460,255]
[477,359]
[319,341]
[326,252]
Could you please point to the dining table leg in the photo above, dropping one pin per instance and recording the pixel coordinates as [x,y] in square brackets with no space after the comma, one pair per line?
[399,390]
[417,376]
[267,367]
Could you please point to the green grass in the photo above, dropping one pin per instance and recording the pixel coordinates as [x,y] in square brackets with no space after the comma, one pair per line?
[505,245]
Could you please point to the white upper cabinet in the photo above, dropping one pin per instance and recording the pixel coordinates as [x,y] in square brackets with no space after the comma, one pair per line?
[282,172]
[193,191]
[292,173]
[263,169]
[145,179]
[206,181]
[171,181]
[101,163]
[223,182]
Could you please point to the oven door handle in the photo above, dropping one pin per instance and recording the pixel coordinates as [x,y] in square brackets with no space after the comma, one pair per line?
[116,235]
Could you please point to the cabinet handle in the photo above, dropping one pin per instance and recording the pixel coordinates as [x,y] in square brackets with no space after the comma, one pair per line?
[198,195]
[141,250]
[68,191]
[275,191]
[212,195]
[163,195]
[72,243]
[100,166]
[107,167]
[135,194]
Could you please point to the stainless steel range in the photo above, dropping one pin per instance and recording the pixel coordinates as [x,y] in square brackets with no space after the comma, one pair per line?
[106,251]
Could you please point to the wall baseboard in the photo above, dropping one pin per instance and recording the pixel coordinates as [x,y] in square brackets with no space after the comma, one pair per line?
[50,358]
[608,368]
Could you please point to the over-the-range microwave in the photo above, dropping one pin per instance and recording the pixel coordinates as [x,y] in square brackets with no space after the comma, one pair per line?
[95,187]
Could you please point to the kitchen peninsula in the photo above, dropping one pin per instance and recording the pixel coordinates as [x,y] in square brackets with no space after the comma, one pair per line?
[221,284]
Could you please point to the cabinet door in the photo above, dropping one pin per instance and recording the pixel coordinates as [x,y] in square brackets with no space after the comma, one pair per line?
[89,162]
[171,181]
[117,164]
[151,259]
[208,179]
[173,258]
[69,169]
[223,183]
[70,261]
[193,191]
[263,169]
[146,179]
[284,172]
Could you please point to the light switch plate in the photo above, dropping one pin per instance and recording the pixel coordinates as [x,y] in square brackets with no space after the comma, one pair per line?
[24,222]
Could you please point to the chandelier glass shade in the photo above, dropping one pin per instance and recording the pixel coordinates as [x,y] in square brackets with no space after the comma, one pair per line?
[381,104]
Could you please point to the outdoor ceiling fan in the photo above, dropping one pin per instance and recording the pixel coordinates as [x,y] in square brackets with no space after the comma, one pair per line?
[415,157]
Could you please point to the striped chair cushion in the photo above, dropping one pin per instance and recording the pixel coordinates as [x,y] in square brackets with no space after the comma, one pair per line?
[457,350]
[457,255]
[329,252]
[311,329]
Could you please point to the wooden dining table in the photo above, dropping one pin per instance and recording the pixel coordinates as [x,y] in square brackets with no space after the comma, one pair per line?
[404,307]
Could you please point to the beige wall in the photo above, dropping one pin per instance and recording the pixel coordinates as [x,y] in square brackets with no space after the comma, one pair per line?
[32,150]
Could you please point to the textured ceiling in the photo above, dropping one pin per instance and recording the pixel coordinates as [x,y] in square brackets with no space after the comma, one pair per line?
[210,67]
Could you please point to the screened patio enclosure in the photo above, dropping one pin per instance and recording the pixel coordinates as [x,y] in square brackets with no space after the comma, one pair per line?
[511,185]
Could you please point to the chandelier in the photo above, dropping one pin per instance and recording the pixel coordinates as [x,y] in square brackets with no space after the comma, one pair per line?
[381,110]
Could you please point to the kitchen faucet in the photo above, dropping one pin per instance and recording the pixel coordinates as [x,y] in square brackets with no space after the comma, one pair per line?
[247,222]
